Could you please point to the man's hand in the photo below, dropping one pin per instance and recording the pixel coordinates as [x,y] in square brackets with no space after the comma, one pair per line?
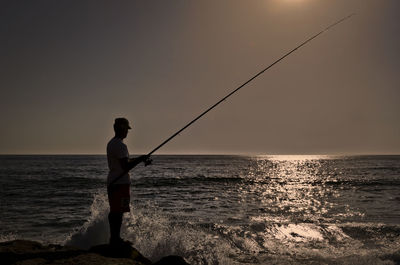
[131,163]
[146,160]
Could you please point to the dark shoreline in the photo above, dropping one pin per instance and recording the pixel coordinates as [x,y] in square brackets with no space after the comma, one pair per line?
[34,253]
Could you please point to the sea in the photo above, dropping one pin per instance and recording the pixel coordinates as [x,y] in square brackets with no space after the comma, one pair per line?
[214,209]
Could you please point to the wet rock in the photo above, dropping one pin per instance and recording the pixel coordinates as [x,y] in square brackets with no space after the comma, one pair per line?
[122,251]
[24,252]
[30,252]
[172,260]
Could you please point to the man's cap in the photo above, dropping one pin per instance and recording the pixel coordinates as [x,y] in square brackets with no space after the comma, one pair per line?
[122,122]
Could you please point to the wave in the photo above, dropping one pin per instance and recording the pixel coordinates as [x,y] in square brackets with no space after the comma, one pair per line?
[201,179]
[153,233]
[157,233]
[95,231]
[361,183]
[186,181]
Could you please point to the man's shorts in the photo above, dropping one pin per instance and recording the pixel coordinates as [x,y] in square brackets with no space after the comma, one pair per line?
[119,198]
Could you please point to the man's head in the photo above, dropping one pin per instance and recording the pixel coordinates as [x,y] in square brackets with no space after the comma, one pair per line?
[121,127]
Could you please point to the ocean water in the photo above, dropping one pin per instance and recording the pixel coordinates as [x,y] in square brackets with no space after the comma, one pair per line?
[215,209]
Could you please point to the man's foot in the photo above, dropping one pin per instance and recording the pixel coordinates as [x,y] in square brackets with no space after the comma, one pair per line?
[127,242]
[119,242]
[116,241]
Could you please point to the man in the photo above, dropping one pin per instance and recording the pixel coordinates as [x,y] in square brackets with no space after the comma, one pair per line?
[118,180]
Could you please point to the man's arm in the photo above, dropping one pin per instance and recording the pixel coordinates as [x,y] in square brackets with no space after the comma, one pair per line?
[127,164]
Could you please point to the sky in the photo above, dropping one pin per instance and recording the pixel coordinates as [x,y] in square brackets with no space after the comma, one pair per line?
[69,68]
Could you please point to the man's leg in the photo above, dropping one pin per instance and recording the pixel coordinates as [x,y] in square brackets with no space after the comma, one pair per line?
[119,199]
[115,221]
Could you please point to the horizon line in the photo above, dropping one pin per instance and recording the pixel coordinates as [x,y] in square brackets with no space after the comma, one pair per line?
[209,154]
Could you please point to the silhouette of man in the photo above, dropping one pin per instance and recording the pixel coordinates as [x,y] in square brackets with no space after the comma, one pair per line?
[118,180]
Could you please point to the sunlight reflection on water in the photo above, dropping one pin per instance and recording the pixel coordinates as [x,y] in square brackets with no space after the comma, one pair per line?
[295,202]
[296,185]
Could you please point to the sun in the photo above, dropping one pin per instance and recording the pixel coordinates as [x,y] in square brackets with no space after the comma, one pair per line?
[292,1]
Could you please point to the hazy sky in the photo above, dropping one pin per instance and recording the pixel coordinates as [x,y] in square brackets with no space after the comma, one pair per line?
[68,68]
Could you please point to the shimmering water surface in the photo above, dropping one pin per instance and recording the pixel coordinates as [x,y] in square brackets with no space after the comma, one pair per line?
[215,209]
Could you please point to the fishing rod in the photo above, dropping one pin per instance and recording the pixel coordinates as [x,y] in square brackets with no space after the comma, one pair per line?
[237,89]
[248,81]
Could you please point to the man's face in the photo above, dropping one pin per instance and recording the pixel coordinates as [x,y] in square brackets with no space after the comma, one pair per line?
[124,132]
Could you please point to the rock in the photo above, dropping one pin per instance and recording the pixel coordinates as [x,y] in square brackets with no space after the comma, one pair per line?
[172,260]
[24,252]
[123,251]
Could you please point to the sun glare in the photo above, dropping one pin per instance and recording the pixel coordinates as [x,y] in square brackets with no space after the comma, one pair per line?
[294,157]
[291,1]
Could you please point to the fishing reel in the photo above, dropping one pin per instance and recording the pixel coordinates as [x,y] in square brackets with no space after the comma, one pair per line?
[147,161]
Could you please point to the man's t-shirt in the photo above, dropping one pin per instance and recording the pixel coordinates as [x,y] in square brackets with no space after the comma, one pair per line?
[116,149]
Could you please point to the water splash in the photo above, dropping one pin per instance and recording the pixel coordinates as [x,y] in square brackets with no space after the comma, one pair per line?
[96,230]
[8,237]
[157,234]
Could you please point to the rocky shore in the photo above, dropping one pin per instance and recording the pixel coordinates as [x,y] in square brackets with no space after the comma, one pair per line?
[24,252]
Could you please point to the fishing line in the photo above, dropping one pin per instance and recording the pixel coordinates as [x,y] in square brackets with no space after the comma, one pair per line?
[238,88]
[248,81]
